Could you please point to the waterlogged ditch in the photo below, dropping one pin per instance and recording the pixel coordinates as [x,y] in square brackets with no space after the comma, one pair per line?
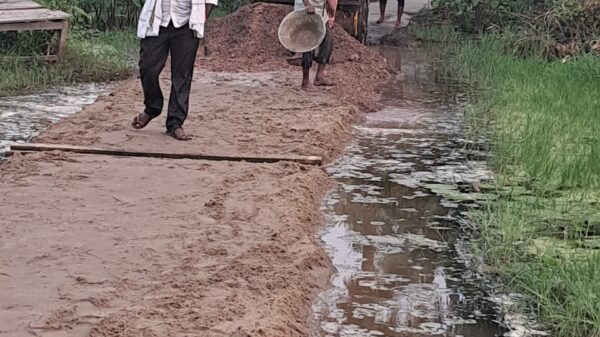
[24,117]
[397,233]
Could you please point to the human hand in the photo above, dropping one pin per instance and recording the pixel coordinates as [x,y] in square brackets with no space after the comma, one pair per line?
[330,22]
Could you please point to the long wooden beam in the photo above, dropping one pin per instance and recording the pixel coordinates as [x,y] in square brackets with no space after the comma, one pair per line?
[39,147]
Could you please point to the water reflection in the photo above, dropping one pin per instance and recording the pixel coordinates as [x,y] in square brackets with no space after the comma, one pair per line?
[23,117]
[397,246]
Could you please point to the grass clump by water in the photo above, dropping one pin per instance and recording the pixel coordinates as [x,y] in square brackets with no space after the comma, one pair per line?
[547,114]
[90,57]
[101,46]
[545,122]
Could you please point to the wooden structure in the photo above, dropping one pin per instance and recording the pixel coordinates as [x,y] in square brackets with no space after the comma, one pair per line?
[26,15]
[38,147]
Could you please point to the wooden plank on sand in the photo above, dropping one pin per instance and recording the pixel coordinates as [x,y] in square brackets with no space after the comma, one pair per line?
[38,147]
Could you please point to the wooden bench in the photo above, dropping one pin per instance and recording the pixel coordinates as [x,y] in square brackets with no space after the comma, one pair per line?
[26,15]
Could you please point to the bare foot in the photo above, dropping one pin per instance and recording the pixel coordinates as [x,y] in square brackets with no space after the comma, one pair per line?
[379,21]
[398,24]
[306,86]
[323,82]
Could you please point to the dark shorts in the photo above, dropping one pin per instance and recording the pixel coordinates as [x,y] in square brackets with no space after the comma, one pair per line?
[322,54]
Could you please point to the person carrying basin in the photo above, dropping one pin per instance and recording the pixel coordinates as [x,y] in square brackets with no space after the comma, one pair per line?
[326,10]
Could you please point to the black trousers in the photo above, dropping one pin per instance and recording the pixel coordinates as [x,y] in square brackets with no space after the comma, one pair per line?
[322,54]
[183,46]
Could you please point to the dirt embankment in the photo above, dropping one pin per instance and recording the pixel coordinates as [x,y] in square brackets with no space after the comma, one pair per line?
[247,41]
[105,246]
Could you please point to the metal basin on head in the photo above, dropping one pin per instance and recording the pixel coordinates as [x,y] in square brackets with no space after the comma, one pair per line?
[301,32]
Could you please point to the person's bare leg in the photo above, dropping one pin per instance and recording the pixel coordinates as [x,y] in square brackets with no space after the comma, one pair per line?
[320,78]
[382,5]
[306,85]
[400,12]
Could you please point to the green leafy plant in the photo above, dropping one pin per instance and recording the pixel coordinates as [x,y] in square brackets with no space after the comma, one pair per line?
[547,28]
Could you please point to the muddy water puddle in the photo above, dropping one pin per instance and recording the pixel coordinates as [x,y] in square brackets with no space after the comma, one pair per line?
[24,117]
[403,260]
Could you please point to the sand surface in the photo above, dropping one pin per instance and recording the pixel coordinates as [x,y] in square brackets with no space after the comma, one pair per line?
[102,246]
[108,246]
[230,113]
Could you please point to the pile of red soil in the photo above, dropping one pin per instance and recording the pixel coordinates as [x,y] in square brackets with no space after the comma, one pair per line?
[247,41]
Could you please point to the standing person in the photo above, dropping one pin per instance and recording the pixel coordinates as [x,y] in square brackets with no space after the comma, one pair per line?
[326,9]
[169,27]
[383,4]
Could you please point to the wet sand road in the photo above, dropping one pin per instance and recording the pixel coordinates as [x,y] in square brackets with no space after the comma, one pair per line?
[94,246]
[106,246]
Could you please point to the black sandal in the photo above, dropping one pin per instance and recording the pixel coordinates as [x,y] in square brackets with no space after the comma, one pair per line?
[138,121]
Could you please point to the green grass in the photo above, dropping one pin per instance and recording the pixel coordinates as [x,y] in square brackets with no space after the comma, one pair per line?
[219,12]
[423,32]
[547,114]
[545,122]
[90,57]
[552,266]
[433,33]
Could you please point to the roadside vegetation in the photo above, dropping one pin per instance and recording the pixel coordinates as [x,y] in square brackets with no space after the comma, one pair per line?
[101,46]
[543,232]
[91,56]
[536,68]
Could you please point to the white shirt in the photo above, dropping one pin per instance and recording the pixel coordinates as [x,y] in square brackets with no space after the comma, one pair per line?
[152,18]
[178,11]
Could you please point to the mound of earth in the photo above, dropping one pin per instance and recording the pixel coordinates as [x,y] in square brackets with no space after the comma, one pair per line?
[249,33]
[246,41]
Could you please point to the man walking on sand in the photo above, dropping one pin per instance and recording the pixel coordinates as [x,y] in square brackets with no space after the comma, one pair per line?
[326,9]
[383,4]
[169,27]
